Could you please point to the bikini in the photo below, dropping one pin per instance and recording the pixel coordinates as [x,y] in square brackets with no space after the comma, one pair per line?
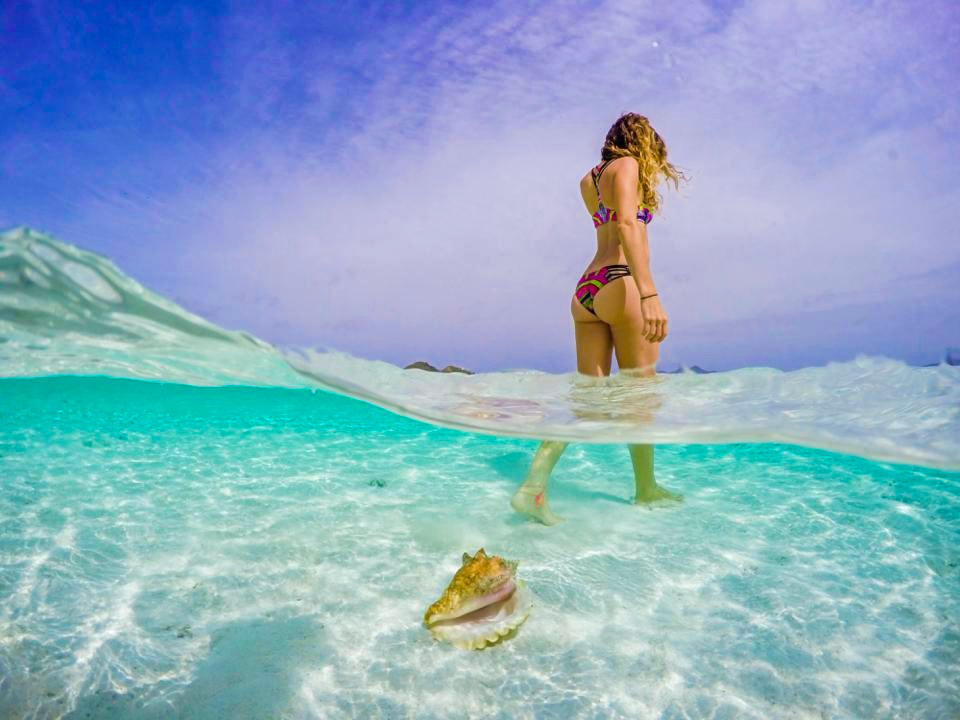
[590,283]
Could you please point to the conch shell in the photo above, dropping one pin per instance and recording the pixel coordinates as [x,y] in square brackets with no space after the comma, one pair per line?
[481,604]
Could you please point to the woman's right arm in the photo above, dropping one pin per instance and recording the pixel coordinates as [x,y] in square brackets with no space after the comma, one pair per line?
[632,234]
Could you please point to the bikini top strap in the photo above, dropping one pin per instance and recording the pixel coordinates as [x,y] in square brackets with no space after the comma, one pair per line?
[596,173]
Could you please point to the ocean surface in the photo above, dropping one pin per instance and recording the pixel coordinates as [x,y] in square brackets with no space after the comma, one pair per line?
[196,524]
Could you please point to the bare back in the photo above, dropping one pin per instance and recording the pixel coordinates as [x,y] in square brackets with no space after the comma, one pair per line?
[608,250]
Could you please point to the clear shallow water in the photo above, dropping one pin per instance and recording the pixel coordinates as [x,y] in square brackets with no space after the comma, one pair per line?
[247,552]
[211,532]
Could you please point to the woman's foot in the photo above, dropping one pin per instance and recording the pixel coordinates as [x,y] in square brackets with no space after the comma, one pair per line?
[533,503]
[656,494]
[647,491]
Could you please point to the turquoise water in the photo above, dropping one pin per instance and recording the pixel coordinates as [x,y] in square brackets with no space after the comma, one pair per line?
[249,552]
[195,524]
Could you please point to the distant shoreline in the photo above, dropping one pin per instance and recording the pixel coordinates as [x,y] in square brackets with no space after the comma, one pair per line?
[951,356]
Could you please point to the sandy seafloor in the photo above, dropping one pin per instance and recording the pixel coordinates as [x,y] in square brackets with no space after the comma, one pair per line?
[174,551]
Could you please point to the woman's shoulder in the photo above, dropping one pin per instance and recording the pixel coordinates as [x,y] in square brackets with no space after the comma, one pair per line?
[626,164]
[614,165]
[622,162]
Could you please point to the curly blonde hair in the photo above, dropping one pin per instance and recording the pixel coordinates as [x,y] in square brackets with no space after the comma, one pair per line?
[632,135]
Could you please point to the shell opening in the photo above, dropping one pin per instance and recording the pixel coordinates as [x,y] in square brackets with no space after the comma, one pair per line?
[498,595]
[496,602]
[487,625]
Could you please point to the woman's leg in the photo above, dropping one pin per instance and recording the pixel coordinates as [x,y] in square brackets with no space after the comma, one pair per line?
[636,353]
[594,341]
[594,355]
[530,499]
[647,490]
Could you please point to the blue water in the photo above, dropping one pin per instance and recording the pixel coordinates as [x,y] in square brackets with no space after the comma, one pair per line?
[194,524]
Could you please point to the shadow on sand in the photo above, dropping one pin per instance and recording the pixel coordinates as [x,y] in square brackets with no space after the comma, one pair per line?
[251,671]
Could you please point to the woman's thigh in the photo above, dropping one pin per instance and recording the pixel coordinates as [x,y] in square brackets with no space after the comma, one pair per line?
[618,304]
[594,341]
[633,350]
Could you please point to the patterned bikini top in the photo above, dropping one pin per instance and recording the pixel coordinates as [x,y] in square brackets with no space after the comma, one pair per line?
[605,214]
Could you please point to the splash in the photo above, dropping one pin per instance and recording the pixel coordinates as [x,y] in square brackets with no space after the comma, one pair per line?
[66,311]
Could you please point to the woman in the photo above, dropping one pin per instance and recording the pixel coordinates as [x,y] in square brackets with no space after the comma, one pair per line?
[615,307]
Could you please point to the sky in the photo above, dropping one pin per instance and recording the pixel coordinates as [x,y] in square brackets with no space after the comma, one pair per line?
[399,180]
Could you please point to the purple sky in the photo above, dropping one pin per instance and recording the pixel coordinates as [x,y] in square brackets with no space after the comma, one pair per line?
[401,182]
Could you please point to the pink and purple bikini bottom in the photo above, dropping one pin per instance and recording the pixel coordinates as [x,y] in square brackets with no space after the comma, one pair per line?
[591,282]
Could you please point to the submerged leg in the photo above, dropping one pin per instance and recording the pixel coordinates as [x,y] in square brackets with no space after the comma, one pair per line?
[530,499]
[647,489]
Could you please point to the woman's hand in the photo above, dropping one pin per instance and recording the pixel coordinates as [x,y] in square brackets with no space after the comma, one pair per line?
[654,319]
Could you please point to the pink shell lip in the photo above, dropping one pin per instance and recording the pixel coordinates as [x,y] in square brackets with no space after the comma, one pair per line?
[478,608]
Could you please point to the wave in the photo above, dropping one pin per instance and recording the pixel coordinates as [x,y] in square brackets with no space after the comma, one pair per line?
[67,311]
